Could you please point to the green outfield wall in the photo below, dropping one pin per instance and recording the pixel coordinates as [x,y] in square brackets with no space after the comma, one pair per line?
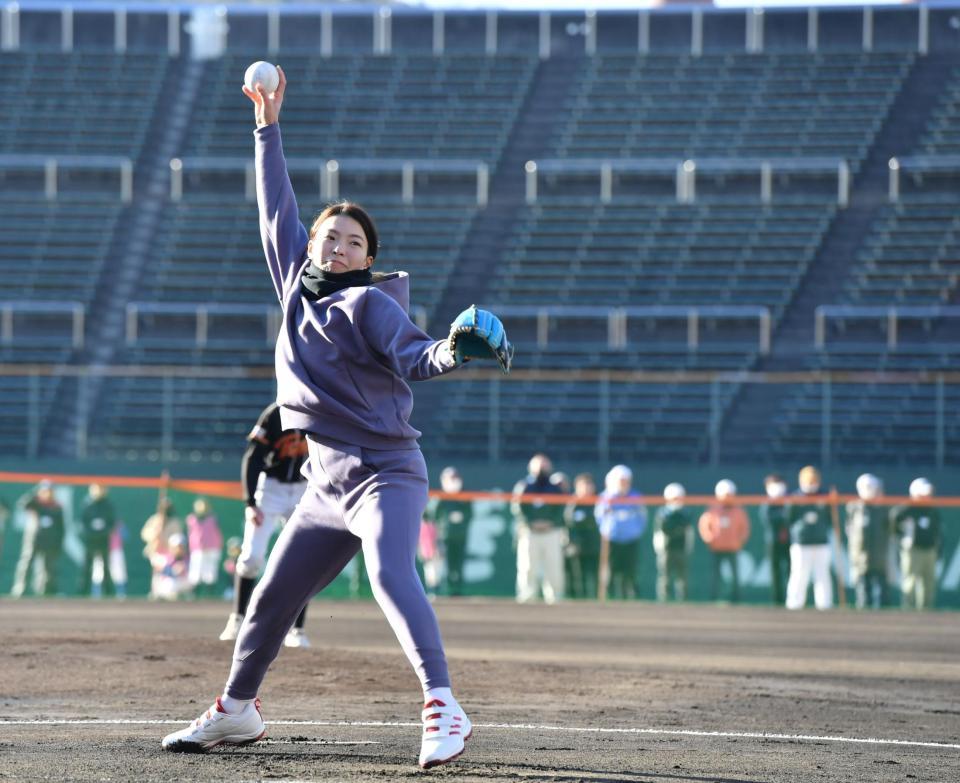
[490,568]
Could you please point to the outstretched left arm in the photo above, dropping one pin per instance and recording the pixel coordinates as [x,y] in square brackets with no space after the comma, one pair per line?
[400,344]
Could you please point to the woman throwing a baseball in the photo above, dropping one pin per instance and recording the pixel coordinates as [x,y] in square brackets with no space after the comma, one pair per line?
[343,356]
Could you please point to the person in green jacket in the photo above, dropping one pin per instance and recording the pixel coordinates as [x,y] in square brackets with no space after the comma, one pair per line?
[868,543]
[583,547]
[42,542]
[773,516]
[97,521]
[918,528]
[453,518]
[809,520]
[672,542]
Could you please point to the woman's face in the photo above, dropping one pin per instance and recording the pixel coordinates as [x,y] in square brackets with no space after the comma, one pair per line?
[339,245]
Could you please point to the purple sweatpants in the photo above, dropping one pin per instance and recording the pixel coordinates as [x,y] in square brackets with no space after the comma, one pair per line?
[356,498]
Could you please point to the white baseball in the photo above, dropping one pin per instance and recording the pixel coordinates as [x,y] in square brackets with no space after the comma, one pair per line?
[263,73]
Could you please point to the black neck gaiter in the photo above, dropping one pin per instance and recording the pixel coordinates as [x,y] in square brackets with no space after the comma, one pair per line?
[317,283]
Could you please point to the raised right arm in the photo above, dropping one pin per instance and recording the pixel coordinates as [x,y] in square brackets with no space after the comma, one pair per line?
[284,236]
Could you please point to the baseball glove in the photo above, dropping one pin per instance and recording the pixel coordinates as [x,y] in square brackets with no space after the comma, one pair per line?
[479,334]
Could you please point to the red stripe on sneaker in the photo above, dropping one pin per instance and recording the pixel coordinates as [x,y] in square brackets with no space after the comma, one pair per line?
[220,706]
[432,728]
[435,716]
[434,703]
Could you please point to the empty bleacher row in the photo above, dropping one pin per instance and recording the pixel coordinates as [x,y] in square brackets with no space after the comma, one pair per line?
[731,106]
[352,106]
[81,103]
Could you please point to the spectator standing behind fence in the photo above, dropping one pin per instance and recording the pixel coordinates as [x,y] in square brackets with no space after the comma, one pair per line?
[97,520]
[918,527]
[773,515]
[810,525]
[155,534]
[171,567]
[42,542]
[583,540]
[539,534]
[452,518]
[868,543]
[725,528]
[672,543]
[622,521]
[206,548]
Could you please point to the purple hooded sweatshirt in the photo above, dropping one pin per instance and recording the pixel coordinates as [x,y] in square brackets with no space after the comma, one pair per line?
[342,361]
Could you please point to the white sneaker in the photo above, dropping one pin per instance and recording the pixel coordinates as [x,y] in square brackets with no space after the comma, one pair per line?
[234,621]
[296,637]
[445,729]
[217,727]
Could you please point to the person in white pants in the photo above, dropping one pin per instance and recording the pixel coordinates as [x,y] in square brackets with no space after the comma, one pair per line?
[540,534]
[273,486]
[809,522]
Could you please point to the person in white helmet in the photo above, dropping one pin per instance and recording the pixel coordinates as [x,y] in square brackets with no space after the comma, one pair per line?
[918,527]
[672,542]
[622,519]
[868,543]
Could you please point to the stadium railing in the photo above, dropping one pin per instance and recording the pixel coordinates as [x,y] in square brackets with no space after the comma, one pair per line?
[919,165]
[75,312]
[267,318]
[51,165]
[892,315]
[329,171]
[617,317]
[589,32]
[684,173]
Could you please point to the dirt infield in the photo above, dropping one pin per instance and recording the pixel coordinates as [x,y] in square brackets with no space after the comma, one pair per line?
[591,693]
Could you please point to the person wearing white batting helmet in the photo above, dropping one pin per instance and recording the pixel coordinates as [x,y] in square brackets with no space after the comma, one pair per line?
[918,527]
[672,542]
[725,528]
[809,520]
[868,541]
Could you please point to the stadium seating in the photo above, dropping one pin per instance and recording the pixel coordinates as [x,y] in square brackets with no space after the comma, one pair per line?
[731,106]
[401,106]
[638,248]
[81,103]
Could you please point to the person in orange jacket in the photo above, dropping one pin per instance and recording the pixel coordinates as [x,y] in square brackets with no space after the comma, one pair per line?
[725,528]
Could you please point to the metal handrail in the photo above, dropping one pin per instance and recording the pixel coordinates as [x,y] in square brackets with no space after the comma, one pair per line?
[202,311]
[892,313]
[685,172]
[77,311]
[617,318]
[329,172]
[51,165]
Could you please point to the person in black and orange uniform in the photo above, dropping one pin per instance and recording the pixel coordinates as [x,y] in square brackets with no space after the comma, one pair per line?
[272,487]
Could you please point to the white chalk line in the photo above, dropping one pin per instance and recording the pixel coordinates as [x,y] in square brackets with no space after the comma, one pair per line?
[762,735]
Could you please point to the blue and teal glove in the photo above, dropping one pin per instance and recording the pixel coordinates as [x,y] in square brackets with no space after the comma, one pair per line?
[478,334]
